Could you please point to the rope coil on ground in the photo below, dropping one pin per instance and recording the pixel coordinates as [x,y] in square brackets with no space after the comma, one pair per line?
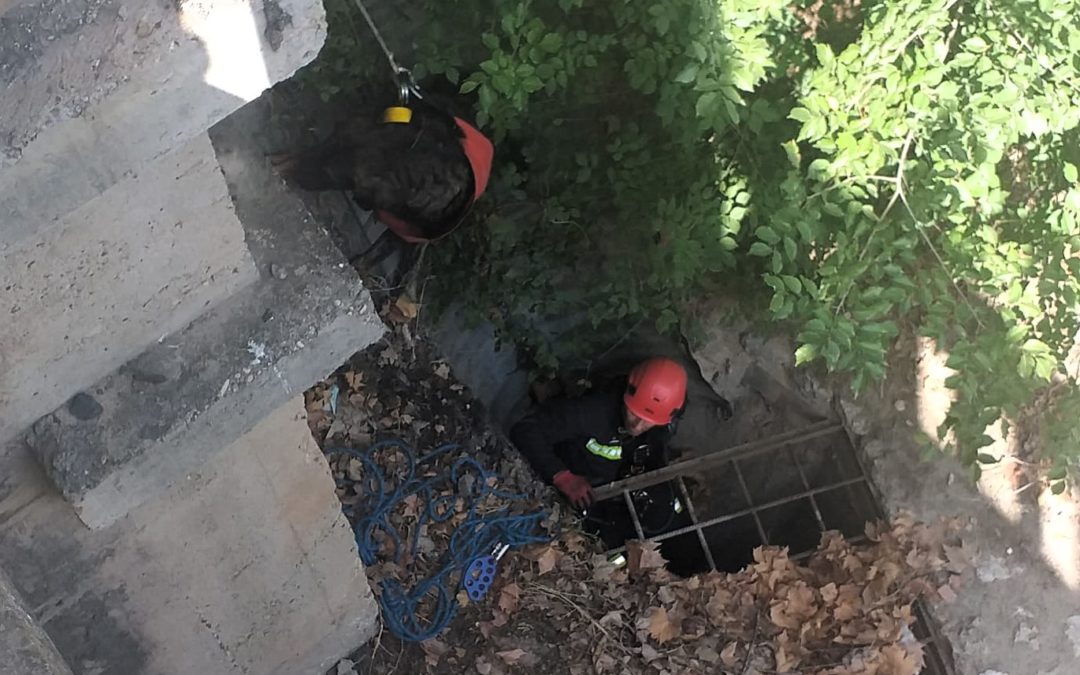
[440,491]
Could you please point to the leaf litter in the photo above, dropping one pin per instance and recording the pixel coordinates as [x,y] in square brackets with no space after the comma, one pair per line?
[563,608]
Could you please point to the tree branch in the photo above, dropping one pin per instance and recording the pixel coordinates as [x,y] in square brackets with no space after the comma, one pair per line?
[753,641]
[933,249]
[898,191]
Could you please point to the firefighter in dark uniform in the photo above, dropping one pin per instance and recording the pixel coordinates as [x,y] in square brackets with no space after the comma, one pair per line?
[576,444]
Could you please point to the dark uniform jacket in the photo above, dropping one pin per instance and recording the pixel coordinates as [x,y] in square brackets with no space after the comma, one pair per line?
[584,435]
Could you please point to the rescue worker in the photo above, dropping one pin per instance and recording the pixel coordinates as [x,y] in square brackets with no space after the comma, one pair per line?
[576,444]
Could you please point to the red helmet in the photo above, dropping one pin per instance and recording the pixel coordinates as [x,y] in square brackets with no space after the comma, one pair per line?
[656,390]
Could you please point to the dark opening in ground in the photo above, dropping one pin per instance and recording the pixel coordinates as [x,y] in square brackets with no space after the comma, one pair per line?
[742,497]
[785,491]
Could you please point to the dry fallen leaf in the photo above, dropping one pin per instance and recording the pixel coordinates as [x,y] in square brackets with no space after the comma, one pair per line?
[408,308]
[612,618]
[511,656]
[575,543]
[509,597]
[434,650]
[643,555]
[717,607]
[730,654]
[959,558]
[411,505]
[946,593]
[706,654]
[784,662]
[828,592]
[661,626]
[605,662]
[895,660]
[649,653]
[546,557]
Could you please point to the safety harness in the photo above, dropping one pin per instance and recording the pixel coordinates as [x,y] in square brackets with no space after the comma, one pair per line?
[478,150]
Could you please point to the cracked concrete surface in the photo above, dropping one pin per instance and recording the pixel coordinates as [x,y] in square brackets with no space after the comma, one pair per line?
[247,566]
[220,546]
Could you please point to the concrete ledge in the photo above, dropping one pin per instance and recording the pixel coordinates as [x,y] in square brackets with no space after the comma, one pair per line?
[166,412]
[93,289]
[246,566]
[24,647]
[95,89]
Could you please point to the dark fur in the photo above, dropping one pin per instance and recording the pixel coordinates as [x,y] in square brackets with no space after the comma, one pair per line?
[417,171]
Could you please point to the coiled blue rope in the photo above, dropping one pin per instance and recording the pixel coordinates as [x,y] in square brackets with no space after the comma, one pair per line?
[439,490]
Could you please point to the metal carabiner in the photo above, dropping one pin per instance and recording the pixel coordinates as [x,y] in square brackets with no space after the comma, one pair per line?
[407,85]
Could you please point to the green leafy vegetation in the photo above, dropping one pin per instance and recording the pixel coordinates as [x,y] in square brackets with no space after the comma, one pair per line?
[911,167]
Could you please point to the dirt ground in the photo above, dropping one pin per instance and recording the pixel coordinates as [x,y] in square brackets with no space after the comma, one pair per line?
[562,608]
[1018,613]
[401,389]
[1021,613]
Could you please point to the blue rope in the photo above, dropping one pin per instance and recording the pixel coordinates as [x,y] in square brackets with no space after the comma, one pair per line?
[439,490]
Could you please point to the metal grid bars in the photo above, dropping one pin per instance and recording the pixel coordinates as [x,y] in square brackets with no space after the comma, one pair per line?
[731,463]
[783,490]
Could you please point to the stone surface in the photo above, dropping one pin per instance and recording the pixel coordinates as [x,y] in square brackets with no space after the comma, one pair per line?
[246,566]
[92,289]
[116,228]
[95,89]
[491,373]
[199,387]
[24,646]
[135,306]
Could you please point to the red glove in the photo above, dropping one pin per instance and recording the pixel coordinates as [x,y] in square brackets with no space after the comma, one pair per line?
[576,488]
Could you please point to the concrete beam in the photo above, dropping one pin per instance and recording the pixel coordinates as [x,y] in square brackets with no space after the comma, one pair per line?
[164,413]
[91,91]
[245,566]
[91,290]
[116,223]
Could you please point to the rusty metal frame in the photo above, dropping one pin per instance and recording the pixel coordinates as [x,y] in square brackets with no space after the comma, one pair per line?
[709,460]
[938,661]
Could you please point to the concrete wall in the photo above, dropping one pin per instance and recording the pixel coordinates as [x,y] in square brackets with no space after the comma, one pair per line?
[247,566]
[90,289]
[115,228]
[160,314]
[165,412]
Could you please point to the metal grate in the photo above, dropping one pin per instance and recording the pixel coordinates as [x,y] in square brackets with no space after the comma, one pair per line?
[792,487]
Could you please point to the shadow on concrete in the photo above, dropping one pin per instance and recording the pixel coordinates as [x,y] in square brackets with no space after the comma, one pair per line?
[67,61]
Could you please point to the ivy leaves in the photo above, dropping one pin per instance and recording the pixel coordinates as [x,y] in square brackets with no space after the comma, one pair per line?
[922,175]
[935,188]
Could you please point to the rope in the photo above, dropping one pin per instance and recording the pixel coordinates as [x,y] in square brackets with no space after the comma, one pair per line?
[440,492]
[403,77]
[394,67]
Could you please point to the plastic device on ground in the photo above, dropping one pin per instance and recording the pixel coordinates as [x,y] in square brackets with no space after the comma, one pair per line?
[481,573]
